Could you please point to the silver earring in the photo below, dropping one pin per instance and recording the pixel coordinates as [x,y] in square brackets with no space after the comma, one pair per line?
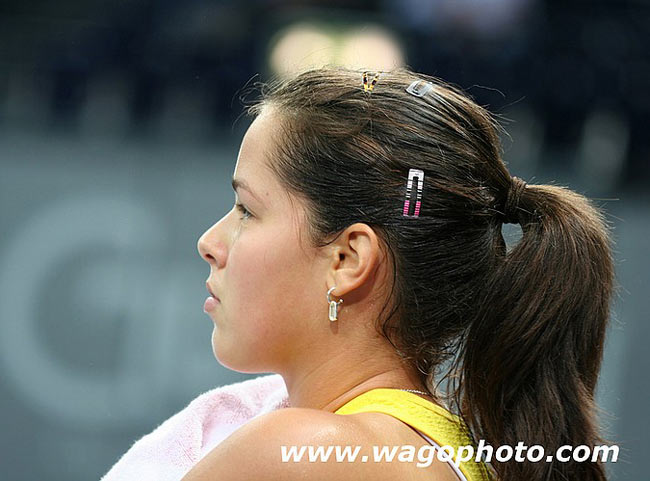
[333,305]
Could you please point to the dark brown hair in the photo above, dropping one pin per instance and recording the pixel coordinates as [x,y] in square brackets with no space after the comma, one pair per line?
[523,329]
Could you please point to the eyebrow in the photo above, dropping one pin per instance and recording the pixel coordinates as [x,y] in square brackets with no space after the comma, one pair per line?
[242,184]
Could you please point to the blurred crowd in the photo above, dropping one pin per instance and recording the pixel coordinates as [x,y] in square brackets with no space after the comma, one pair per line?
[144,62]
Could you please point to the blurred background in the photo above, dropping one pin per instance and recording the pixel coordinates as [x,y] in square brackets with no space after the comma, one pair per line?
[120,124]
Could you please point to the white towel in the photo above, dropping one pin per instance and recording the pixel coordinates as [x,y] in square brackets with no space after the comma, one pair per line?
[176,445]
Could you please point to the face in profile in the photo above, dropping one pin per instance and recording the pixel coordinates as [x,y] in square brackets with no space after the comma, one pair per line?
[269,282]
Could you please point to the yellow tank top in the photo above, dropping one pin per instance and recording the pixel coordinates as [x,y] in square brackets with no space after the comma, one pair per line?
[424,416]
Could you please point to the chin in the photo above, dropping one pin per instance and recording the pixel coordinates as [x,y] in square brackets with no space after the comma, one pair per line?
[241,367]
[234,358]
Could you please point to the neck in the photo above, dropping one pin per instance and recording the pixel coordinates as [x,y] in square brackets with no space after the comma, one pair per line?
[332,383]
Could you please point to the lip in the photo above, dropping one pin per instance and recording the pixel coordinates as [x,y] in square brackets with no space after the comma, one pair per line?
[207,286]
[210,304]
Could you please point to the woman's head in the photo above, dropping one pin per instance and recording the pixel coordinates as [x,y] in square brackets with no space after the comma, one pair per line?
[271,280]
[525,327]
[346,154]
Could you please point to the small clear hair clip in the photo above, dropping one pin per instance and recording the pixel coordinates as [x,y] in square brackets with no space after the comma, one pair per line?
[419,88]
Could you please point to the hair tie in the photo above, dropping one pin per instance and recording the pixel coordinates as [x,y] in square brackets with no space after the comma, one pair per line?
[511,206]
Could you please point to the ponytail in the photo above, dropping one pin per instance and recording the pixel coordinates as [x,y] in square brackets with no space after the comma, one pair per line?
[531,357]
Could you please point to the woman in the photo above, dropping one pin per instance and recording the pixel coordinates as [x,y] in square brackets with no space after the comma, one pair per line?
[364,258]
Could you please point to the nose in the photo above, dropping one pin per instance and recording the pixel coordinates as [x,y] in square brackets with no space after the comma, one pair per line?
[210,248]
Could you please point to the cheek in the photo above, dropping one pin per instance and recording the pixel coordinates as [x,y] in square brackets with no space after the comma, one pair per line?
[264,273]
[252,272]
[273,295]
[265,311]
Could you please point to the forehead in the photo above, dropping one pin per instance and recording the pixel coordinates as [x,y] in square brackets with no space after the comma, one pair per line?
[254,152]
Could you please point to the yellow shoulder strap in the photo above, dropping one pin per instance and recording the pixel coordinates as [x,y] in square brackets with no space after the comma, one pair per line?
[425,416]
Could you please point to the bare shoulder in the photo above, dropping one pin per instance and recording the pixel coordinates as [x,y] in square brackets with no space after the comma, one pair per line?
[255,451]
[276,447]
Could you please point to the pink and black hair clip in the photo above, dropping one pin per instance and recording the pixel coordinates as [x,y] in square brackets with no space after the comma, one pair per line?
[419,174]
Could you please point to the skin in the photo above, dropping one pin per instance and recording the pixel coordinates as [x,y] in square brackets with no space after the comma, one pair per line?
[273,317]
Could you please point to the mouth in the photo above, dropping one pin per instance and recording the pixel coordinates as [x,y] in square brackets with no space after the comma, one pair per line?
[207,286]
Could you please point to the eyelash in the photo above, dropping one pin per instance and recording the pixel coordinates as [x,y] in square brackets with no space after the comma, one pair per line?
[245,213]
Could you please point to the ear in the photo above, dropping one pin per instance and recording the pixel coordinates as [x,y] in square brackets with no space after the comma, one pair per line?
[355,256]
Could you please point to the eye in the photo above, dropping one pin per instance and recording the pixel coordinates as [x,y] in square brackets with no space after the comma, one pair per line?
[245,213]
